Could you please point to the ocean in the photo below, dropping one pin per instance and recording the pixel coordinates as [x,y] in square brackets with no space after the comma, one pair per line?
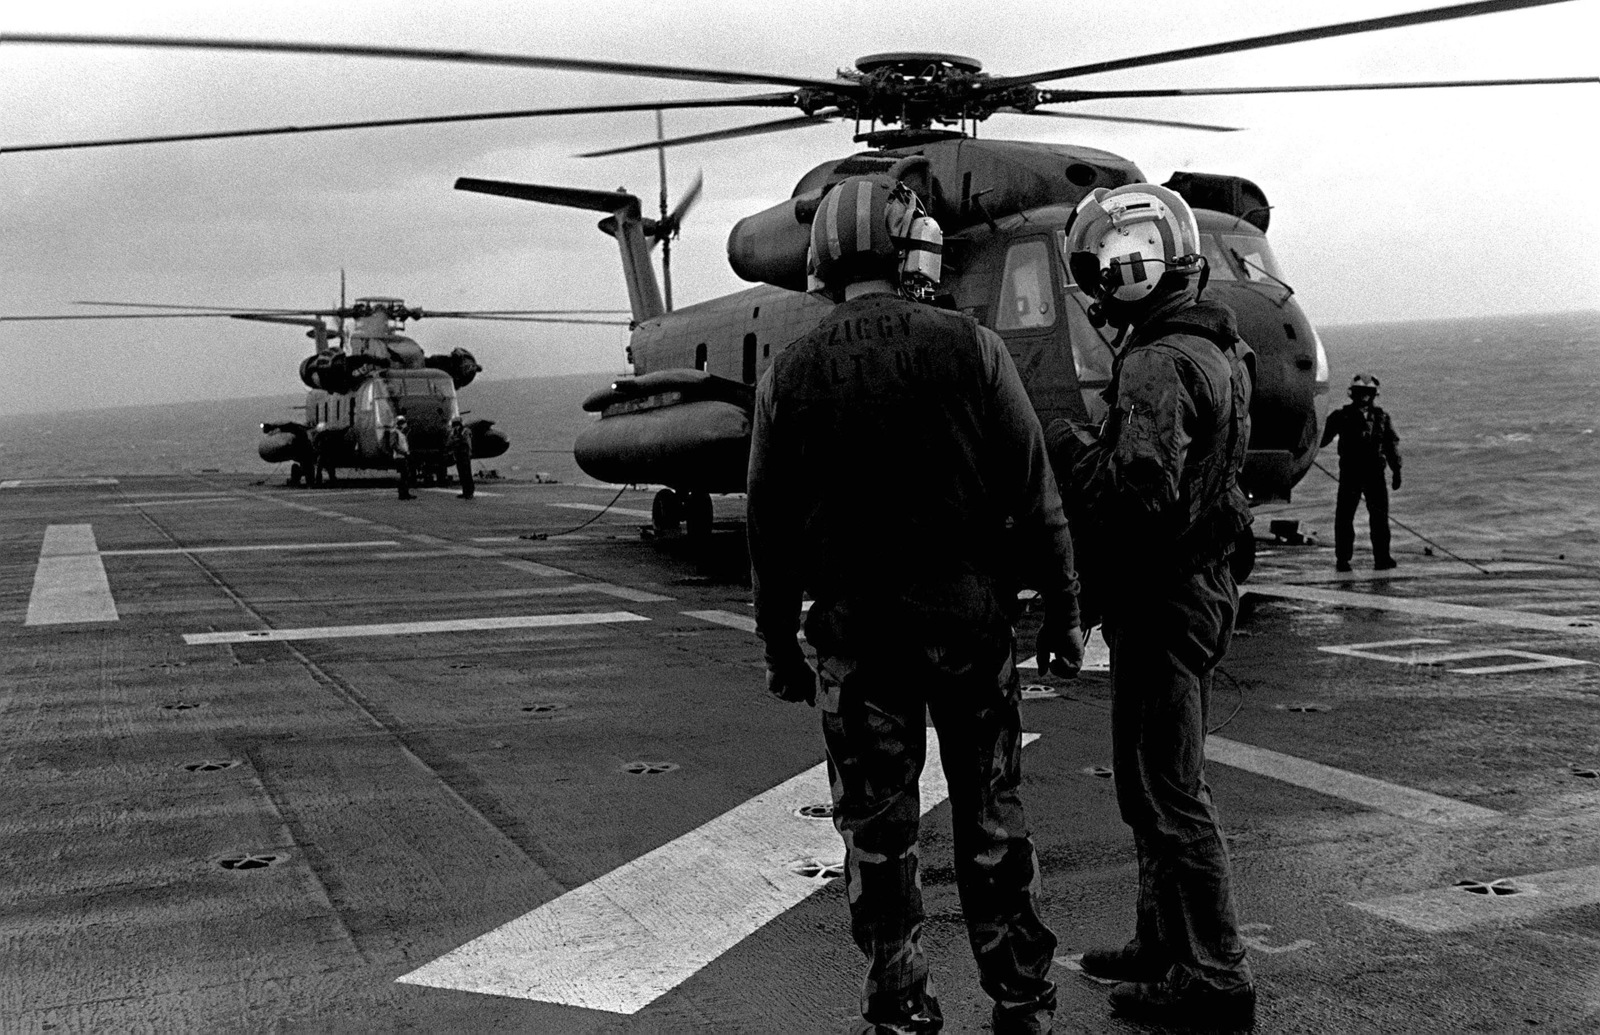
[1499,424]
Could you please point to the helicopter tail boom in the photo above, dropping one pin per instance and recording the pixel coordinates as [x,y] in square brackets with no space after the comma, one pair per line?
[625,223]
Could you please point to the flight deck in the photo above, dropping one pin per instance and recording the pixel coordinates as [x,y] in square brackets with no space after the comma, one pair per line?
[317,760]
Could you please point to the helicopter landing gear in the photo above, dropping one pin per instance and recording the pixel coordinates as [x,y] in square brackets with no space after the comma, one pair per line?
[296,475]
[666,511]
[698,514]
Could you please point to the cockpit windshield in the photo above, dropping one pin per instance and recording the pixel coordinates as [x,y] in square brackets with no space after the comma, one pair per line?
[1240,257]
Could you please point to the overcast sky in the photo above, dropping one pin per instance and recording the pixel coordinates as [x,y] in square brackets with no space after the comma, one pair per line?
[1387,206]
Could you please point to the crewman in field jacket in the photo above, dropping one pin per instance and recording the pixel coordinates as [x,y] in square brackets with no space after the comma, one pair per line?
[1366,443]
[891,446]
[1156,510]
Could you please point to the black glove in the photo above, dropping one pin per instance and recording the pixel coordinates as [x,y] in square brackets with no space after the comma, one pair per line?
[790,678]
[1394,483]
[1060,645]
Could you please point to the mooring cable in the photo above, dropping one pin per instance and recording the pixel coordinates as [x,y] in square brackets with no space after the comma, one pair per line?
[600,514]
[1408,528]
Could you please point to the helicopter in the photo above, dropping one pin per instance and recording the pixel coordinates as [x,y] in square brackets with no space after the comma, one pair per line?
[682,419]
[362,375]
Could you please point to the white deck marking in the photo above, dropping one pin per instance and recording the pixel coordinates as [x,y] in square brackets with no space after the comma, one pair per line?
[1532,663]
[624,511]
[744,623]
[1405,802]
[334,632]
[625,939]
[1430,570]
[53,483]
[183,503]
[457,492]
[1431,609]
[70,584]
[242,549]
[1441,910]
[1096,655]
[637,596]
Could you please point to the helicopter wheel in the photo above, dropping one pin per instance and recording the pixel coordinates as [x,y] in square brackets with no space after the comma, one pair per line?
[296,475]
[698,514]
[666,511]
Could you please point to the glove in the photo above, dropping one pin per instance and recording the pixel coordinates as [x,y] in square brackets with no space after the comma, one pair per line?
[1394,483]
[791,679]
[1060,646]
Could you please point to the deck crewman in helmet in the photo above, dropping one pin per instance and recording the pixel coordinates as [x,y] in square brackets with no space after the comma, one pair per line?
[1367,443]
[397,440]
[892,446]
[1155,500]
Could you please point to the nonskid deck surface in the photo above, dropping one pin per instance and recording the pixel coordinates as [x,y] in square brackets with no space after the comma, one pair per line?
[323,760]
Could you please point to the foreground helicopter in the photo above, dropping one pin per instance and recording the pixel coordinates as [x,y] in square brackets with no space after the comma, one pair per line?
[361,376]
[682,420]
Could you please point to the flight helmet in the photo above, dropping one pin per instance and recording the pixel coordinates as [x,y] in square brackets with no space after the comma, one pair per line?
[1363,383]
[1131,246]
[871,228]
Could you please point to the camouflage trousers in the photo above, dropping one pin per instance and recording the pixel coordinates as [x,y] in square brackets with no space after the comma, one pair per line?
[1165,646]
[874,726]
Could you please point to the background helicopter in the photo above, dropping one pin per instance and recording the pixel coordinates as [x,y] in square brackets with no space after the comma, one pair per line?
[362,374]
[843,97]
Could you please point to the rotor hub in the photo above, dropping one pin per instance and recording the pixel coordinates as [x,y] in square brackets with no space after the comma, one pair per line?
[920,89]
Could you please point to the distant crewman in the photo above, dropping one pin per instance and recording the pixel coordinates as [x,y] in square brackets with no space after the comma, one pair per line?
[1366,443]
[323,441]
[459,444]
[892,445]
[1156,497]
[397,440]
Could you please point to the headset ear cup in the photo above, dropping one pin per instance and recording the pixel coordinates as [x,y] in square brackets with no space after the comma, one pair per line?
[1085,270]
[1205,276]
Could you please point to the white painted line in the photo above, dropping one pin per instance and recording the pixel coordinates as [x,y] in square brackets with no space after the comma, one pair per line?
[184,503]
[1430,609]
[625,939]
[1096,655]
[637,596]
[333,632]
[457,492]
[544,571]
[1405,802]
[744,623]
[242,549]
[1533,663]
[70,584]
[1425,570]
[1442,910]
[53,483]
[624,511]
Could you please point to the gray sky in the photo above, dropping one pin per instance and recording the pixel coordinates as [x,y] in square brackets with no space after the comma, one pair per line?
[1388,206]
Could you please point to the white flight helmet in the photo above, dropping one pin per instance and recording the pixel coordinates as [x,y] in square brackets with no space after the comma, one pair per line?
[1122,242]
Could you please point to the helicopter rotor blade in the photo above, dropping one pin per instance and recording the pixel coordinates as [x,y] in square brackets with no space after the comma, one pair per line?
[1064,96]
[767,100]
[1393,21]
[1170,123]
[222,310]
[757,129]
[121,316]
[535,319]
[460,57]
[681,210]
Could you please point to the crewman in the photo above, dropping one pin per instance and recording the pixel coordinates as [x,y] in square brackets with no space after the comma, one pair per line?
[323,439]
[1366,443]
[398,442]
[891,447]
[459,443]
[1156,495]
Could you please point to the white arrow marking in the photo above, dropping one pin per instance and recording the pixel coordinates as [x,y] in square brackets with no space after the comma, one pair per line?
[625,939]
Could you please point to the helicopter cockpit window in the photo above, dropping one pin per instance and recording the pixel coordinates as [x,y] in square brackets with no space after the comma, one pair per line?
[1027,300]
[1252,258]
[1217,258]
